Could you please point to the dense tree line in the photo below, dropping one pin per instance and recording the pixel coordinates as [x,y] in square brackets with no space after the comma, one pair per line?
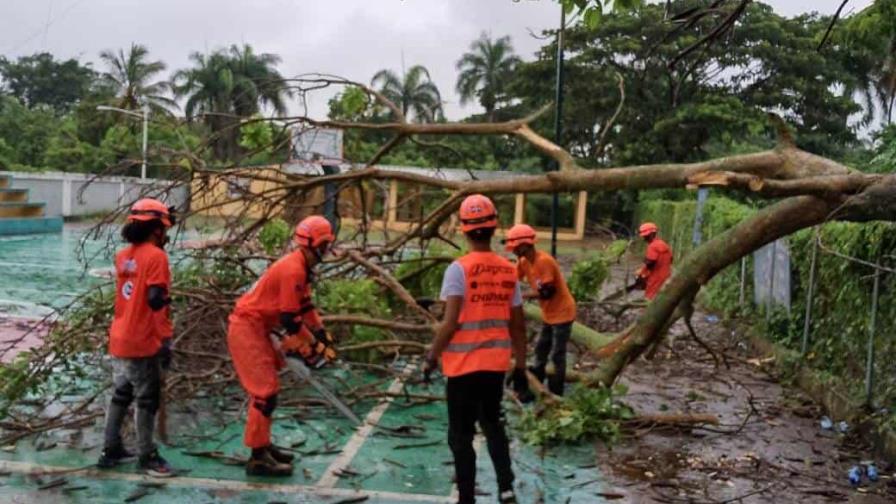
[839,96]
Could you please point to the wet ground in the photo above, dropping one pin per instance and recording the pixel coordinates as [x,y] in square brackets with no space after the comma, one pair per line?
[768,448]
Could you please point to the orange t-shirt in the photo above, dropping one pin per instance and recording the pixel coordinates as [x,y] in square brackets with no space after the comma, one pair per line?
[657,251]
[561,308]
[283,288]
[136,330]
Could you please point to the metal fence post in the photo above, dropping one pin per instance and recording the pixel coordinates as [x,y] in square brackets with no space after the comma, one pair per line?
[872,329]
[810,293]
[697,238]
[771,283]
[743,279]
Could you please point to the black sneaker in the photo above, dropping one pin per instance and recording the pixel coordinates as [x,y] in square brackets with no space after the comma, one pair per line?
[279,456]
[111,457]
[154,465]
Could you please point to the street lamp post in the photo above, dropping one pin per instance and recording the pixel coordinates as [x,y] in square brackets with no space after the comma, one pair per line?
[145,116]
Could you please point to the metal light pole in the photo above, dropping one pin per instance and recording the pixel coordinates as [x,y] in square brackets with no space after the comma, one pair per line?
[143,115]
[558,126]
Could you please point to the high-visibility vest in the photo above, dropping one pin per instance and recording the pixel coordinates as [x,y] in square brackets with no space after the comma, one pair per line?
[482,340]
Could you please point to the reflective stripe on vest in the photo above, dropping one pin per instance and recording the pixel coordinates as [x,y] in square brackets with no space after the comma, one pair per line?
[482,339]
[483,324]
[469,347]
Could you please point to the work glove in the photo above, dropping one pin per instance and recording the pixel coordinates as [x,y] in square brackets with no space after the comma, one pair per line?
[429,365]
[521,386]
[320,351]
[165,353]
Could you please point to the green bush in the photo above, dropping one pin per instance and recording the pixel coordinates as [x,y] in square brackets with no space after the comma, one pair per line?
[585,413]
[588,276]
[354,297]
[274,235]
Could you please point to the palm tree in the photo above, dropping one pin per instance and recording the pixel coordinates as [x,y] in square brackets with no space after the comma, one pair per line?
[225,86]
[131,75]
[413,92]
[485,70]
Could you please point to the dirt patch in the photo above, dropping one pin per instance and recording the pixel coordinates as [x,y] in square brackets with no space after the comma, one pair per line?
[769,447]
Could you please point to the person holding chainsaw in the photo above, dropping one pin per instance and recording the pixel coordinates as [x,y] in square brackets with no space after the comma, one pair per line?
[558,307]
[482,326]
[140,334]
[278,304]
[657,266]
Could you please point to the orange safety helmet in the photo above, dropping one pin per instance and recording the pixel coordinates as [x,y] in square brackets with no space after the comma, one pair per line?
[518,235]
[647,228]
[314,231]
[148,209]
[476,212]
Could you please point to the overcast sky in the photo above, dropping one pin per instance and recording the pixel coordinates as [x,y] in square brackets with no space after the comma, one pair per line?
[351,38]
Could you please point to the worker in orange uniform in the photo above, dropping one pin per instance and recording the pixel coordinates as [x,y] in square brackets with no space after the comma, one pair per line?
[140,335]
[657,262]
[482,325]
[558,308]
[281,298]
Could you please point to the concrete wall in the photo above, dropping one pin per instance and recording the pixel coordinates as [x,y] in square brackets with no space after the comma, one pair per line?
[76,194]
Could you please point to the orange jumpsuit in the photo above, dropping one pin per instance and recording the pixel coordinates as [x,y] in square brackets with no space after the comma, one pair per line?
[660,253]
[283,288]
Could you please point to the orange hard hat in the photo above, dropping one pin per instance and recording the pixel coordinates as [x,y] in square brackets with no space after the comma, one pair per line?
[477,211]
[518,235]
[148,209]
[314,231]
[647,228]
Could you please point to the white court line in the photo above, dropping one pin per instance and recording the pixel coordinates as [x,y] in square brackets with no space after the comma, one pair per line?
[220,484]
[329,478]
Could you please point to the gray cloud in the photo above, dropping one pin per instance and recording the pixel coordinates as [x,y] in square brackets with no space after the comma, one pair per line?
[351,38]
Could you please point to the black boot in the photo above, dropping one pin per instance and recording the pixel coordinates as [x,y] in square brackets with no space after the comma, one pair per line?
[279,456]
[262,463]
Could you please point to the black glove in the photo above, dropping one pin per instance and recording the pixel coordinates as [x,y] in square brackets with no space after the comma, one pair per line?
[521,386]
[429,365]
[425,302]
[165,354]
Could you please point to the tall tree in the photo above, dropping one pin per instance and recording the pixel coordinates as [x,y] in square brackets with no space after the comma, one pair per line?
[413,92]
[485,71]
[225,86]
[40,79]
[131,74]
[869,40]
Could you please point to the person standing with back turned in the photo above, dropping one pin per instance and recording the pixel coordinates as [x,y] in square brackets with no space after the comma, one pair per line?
[482,325]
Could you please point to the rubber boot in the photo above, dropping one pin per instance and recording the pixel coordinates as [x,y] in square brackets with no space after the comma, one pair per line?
[279,456]
[262,463]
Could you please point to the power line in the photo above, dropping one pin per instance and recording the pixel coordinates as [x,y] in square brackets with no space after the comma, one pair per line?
[15,46]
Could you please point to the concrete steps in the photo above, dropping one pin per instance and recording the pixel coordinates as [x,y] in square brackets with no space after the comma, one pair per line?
[20,216]
[21,209]
[13,195]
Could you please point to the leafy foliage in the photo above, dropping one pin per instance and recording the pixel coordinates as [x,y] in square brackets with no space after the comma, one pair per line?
[354,297]
[485,71]
[41,80]
[274,235]
[413,92]
[584,413]
[588,276]
[130,75]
